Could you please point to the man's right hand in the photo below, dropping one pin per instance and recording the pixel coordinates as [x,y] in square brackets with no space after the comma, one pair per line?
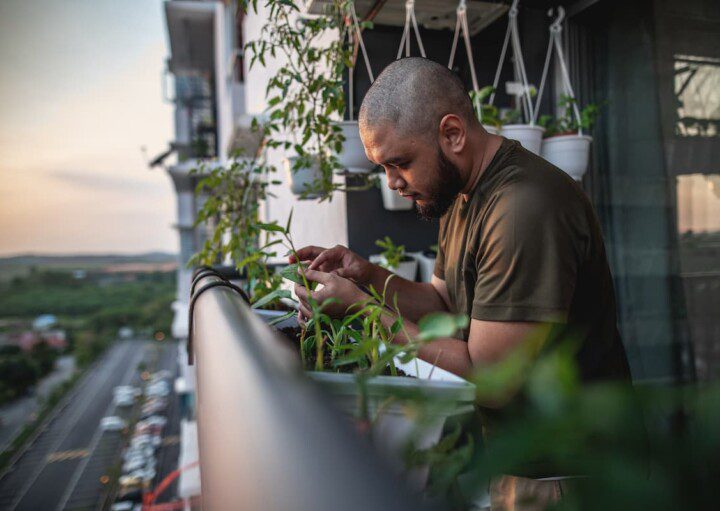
[338,260]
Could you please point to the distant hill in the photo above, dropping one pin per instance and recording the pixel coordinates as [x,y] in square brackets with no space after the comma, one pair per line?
[20,265]
[82,259]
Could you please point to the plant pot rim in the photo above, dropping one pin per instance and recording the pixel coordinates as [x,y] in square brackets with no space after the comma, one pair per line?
[429,253]
[533,127]
[568,136]
[346,123]
[346,384]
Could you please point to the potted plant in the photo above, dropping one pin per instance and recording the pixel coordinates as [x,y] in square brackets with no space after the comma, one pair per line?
[426,262]
[233,193]
[352,157]
[529,135]
[393,258]
[487,114]
[402,401]
[391,199]
[565,145]
[305,93]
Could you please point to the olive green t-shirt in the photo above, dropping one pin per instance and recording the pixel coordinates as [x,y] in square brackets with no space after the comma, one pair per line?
[527,246]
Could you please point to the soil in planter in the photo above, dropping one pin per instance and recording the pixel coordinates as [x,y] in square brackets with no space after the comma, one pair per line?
[292,336]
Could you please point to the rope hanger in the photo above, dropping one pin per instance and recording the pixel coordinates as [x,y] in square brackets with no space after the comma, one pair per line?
[405,40]
[556,42]
[461,25]
[356,30]
[512,36]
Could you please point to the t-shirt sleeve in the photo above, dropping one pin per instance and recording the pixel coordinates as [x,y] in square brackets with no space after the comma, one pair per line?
[528,259]
[439,270]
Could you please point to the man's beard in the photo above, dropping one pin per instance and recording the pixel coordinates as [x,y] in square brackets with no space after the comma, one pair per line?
[445,192]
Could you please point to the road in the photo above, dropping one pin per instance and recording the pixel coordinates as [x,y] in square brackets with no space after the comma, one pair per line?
[16,414]
[62,468]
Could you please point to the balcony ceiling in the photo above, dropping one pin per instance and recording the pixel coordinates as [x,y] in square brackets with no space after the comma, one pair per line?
[190,30]
[431,14]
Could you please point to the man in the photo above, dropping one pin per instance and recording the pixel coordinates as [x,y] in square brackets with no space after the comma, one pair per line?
[520,248]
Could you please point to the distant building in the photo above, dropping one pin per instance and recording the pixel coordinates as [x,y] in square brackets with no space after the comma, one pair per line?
[44,322]
[56,339]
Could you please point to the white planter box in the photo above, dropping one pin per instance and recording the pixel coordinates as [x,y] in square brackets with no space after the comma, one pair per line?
[393,201]
[407,269]
[393,428]
[301,178]
[491,129]
[570,153]
[353,157]
[530,137]
[426,264]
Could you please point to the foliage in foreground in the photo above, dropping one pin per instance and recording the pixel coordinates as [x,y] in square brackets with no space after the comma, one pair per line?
[648,448]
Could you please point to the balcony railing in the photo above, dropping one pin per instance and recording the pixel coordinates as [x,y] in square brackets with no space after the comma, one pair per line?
[268,440]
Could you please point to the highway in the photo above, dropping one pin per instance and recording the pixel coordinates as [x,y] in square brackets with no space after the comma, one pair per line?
[63,466]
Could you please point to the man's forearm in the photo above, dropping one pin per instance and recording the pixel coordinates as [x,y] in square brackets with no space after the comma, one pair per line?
[414,299]
[446,353]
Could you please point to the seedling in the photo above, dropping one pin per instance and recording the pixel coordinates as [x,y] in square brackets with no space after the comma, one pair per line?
[393,254]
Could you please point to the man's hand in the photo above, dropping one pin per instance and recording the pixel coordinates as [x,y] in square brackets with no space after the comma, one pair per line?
[341,290]
[339,261]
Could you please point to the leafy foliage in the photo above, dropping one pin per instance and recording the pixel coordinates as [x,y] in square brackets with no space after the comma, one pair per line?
[392,254]
[307,92]
[567,123]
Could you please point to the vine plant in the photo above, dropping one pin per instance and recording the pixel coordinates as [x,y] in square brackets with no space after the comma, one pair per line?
[306,94]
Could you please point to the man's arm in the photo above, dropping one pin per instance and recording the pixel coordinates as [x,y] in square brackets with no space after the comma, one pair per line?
[488,342]
[414,299]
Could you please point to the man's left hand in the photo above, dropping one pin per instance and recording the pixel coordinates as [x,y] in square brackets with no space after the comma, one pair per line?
[343,292]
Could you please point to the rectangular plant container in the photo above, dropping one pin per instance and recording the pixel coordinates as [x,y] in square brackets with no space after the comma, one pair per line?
[391,406]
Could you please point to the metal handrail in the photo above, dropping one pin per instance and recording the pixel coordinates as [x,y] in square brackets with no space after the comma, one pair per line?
[268,440]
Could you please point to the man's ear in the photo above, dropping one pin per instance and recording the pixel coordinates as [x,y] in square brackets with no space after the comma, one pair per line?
[452,133]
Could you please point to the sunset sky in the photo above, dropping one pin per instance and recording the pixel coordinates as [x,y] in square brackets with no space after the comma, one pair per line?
[80,95]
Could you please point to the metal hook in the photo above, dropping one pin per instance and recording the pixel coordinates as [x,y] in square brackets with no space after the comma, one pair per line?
[462,7]
[556,25]
[514,9]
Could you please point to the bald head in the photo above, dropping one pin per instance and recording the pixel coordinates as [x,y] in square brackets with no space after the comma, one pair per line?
[412,95]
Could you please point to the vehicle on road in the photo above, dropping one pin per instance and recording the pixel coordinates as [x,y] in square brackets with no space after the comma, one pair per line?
[112,423]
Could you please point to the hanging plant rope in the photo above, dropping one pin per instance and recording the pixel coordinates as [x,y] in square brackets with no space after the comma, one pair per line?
[556,42]
[512,36]
[356,31]
[405,40]
[462,26]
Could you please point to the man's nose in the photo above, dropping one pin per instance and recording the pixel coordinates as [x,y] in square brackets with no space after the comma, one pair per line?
[394,180]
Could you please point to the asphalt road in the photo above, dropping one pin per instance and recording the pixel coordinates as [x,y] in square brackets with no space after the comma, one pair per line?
[65,453]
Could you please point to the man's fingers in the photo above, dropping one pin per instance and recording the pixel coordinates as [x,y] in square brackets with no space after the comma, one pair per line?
[305,312]
[325,256]
[301,292]
[318,276]
[307,253]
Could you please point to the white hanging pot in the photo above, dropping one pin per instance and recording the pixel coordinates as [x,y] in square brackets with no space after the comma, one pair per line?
[493,130]
[570,153]
[393,201]
[426,264]
[302,178]
[407,269]
[352,157]
[529,136]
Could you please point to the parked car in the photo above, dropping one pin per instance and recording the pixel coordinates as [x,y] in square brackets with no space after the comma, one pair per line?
[126,505]
[112,423]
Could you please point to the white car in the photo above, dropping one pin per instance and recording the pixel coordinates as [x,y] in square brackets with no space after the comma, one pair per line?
[112,423]
[123,400]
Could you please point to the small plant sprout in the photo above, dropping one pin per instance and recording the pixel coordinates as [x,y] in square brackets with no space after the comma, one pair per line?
[392,254]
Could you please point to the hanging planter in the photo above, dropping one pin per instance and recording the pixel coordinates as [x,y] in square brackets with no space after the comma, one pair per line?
[426,264]
[570,153]
[352,157]
[393,201]
[302,180]
[407,268]
[529,136]
[566,146]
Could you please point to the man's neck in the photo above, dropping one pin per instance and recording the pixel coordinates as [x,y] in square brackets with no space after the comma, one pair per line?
[486,146]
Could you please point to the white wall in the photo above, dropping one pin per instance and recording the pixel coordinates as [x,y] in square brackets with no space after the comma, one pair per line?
[322,224]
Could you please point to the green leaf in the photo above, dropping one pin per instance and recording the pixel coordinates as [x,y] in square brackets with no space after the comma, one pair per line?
[441,324]
[290,272]
[270,227]
[271,297]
